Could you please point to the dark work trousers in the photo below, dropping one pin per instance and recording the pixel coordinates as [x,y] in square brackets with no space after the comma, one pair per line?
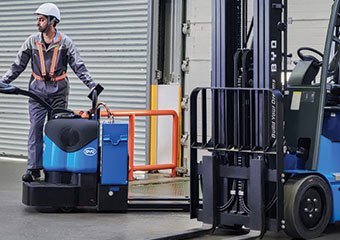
[55,94]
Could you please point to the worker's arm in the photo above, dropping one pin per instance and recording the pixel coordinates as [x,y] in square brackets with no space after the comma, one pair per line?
[78,66]
[20,63]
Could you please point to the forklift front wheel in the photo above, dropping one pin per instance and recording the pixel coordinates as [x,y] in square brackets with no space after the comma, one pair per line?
[307,206]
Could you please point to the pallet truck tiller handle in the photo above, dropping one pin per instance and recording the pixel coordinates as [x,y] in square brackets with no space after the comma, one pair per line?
[10,89]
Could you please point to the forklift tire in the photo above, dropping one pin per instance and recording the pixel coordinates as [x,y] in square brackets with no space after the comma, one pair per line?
[307,206]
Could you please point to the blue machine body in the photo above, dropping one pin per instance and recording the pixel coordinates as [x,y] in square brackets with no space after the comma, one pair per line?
[328,163]
[84,160]
[331,126]
[71,145]
[114,154]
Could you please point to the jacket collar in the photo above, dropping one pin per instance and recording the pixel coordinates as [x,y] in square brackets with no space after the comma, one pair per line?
[55,39]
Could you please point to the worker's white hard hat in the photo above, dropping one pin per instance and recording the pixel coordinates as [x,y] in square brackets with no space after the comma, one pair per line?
[49,9]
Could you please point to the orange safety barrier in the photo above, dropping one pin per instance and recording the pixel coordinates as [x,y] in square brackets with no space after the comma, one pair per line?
[131,141]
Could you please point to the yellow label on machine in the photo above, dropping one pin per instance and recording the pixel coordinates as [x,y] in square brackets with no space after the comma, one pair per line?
[296,100]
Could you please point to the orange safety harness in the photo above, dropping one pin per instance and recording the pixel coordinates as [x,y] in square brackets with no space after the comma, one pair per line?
[53,63]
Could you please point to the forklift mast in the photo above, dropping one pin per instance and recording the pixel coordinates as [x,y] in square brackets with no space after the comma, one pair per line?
[258,118]
[239,61]
[247,116]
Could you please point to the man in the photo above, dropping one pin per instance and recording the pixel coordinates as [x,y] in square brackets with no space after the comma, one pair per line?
[49,51]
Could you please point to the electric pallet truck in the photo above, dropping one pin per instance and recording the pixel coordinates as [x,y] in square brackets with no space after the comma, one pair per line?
[84,168]
[79,173]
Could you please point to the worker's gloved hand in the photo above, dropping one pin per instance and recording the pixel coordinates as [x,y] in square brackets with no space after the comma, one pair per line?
[3,85]
[7,88]
[99,88]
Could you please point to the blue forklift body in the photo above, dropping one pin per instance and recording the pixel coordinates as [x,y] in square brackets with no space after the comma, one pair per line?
[328,168]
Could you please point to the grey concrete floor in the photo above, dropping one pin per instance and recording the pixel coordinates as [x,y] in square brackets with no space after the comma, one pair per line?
[19,222]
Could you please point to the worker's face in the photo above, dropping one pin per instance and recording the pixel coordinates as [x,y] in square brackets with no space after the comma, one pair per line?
[42,23]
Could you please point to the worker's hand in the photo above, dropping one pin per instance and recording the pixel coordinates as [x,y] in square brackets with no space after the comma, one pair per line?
[8,89]
[99,88]
[78,112]
[83,114]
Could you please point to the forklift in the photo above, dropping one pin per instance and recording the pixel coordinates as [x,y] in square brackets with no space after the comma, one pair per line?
[265,147]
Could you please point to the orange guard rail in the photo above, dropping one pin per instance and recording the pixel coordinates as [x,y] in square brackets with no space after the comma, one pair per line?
[131,139]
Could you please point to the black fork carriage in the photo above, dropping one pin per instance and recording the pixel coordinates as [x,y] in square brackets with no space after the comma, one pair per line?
[242,157]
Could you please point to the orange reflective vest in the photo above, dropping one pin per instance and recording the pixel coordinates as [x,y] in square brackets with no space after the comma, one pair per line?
[53,63]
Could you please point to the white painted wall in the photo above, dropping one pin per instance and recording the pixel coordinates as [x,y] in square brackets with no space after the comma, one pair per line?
[198,49]
[168,96]
[309,25]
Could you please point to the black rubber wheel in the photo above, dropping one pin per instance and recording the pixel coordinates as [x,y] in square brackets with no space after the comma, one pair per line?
[27,177]
[67,209]
[47,209]
[224,230]
[307,206]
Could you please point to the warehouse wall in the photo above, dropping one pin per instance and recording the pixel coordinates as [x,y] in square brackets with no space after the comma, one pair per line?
[309,24]
[198,50]
[112,39]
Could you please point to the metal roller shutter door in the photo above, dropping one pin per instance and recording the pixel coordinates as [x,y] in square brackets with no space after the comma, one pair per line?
[112,39]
